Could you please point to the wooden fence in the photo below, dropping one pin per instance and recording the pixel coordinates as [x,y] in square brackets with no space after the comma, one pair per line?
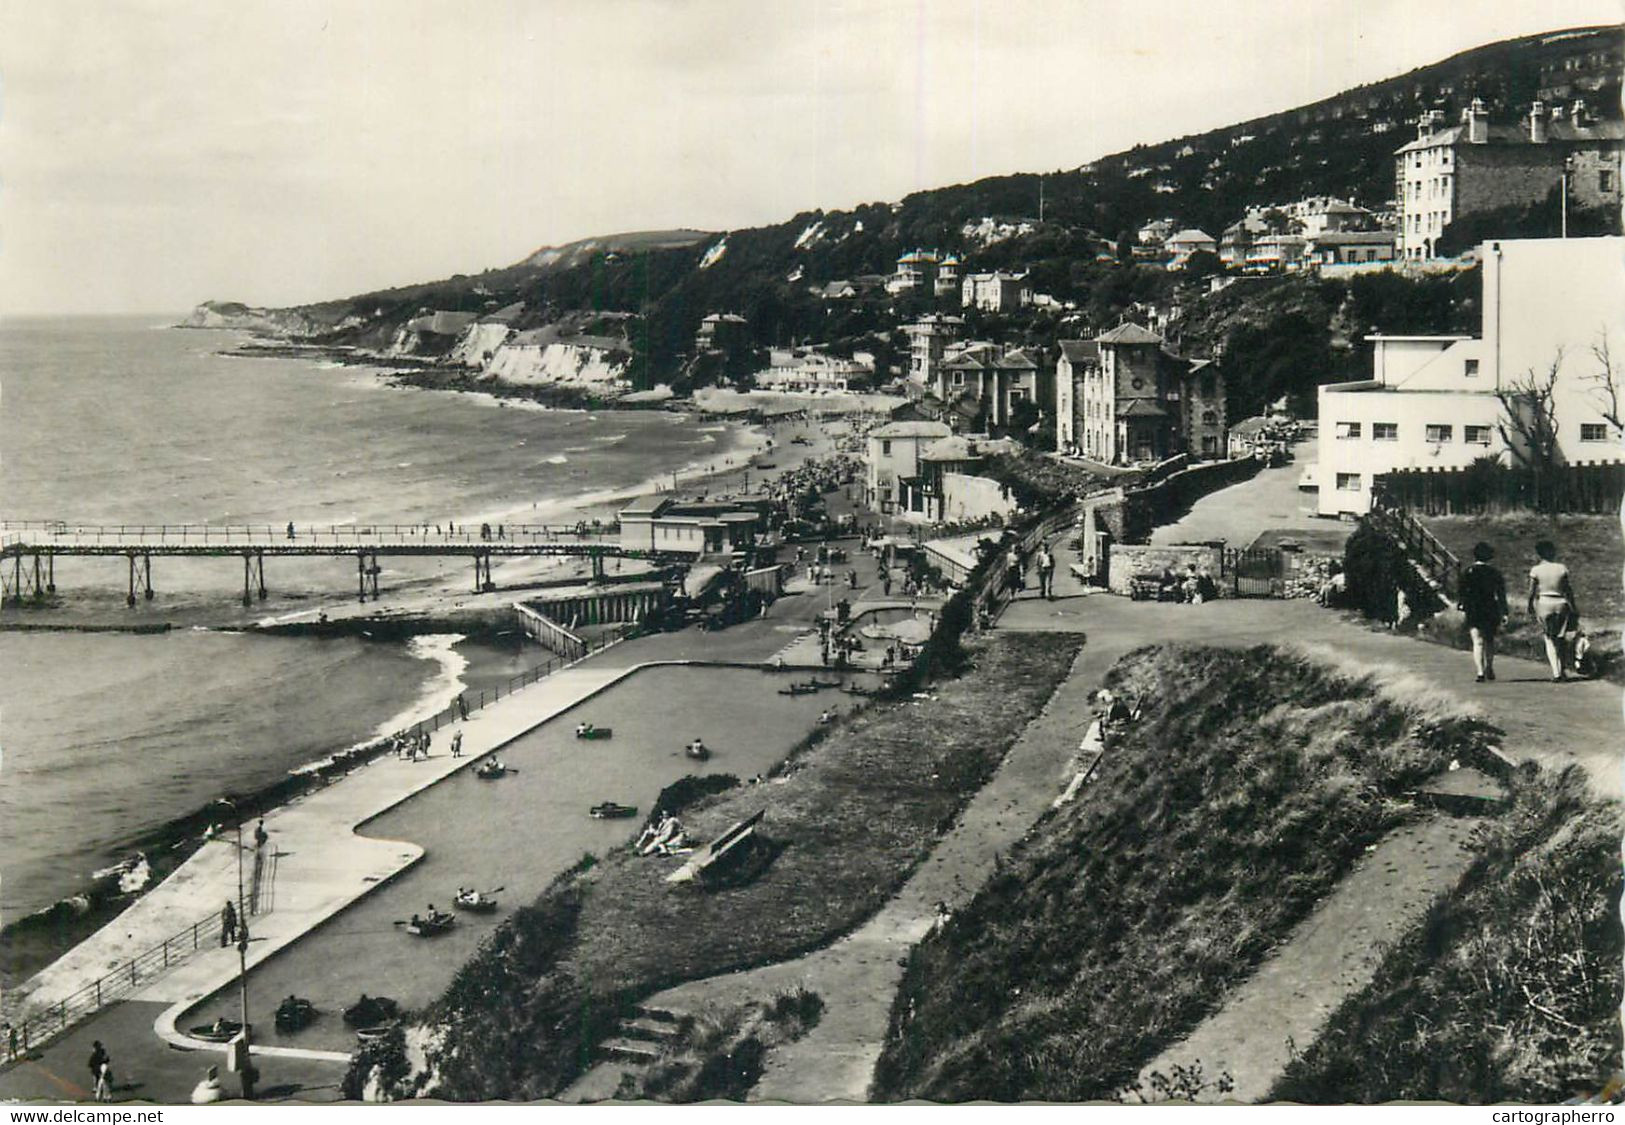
[1587,487]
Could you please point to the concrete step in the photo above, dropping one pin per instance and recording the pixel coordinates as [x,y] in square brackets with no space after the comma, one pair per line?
[636,1051]
[652,1030]
[664,1015]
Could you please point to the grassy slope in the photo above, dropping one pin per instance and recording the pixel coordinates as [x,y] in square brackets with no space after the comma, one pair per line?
[854,813]
[1591,546]
[1509,991]
[1252,784]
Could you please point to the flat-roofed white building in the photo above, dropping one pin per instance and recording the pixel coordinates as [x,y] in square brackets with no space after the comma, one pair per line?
[1432,400]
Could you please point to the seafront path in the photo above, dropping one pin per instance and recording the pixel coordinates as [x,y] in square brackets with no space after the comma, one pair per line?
[323,866]
[1555,725]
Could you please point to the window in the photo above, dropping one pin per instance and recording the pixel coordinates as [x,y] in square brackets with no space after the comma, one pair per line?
[1475,435]
[1469,368]
[1348,482]
[1347,430]
[1605,180]
[1210,444]
[1210,417]
[959,378]
[885,448]
[1593,431]
[1437,432]
[1016,395]
[1384,431]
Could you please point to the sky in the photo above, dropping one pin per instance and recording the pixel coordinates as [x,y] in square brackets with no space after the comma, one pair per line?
[157,153]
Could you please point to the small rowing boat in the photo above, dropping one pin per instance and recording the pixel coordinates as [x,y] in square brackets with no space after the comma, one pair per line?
[610,810]
[432,926]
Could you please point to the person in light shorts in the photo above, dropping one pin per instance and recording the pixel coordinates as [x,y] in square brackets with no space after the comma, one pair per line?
[1551,602]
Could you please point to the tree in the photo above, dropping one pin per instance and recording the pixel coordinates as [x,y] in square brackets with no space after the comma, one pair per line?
[1605,388]
[1529,428]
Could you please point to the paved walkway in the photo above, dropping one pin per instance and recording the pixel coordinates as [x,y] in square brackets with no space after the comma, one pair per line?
[1557,725]
[1331,955]
[1239,514]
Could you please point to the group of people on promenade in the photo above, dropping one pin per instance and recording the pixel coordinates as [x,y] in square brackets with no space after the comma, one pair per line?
[1482,596]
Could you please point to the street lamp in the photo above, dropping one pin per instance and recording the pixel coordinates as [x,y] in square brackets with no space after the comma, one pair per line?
[247,1069]
[1568,170]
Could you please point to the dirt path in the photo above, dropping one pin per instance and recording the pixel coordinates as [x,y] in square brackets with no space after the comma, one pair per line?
[1331,955]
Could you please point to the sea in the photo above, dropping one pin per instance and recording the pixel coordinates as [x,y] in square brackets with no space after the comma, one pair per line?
[107,737]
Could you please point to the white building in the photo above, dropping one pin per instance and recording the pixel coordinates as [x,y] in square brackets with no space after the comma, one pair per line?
[1431,401]
[894,458]
[995,292]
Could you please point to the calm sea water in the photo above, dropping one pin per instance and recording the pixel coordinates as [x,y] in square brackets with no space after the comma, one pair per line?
[106,737]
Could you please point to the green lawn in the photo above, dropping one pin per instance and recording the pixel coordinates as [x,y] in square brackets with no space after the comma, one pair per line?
[1591,546]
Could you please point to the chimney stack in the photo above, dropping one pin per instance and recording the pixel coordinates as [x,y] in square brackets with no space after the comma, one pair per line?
[1478,123]
[1537,123]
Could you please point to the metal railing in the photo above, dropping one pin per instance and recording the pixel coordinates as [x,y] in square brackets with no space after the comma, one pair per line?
[118,982]
[454,711]
[272,533]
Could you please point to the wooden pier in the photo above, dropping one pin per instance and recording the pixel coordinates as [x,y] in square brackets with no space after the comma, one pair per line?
[29,549]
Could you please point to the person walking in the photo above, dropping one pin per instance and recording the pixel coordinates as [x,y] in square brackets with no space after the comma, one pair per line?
[1046,573]
[228,925]
[1551,602]
[11,1042]
[1484,605]
[260,834]
[462,707]
[99,1064]
[457,745]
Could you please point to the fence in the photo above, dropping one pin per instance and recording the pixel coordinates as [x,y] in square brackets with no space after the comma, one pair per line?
[550,634]
[183,533]
[1591,487]
[1436,561]
[152,963]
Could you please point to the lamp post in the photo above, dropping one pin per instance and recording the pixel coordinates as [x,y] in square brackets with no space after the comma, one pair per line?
[1568,169]
[247,1070]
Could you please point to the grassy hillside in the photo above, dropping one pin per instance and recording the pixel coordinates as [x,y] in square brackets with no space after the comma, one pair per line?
[1342,145]
[1250,786]
[1510,991]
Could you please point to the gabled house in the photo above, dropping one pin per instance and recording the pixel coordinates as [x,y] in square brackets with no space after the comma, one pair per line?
[994,379]
[1133,400]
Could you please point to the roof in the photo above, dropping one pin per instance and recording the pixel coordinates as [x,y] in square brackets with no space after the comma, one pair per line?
[1249,426]
[1338,207]
[1128,333]
[1140,408]
[724,318]
[1557,132]
[911,429]
[1191,234]
[646,505]
[962,448]
[1080,351]
[1344,237]
[1017,360]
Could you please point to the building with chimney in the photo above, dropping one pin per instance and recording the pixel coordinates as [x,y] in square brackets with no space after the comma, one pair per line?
[929,338]
[995,292]
[1446,174]
[985,383]
[1124,397]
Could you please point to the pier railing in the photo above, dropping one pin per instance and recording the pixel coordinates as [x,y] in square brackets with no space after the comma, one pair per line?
[46,530]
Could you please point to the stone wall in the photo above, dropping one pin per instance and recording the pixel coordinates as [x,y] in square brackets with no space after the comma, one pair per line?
[966,497]
[1125,560]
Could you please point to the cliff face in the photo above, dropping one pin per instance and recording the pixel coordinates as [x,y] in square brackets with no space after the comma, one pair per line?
[577,365]
[231,314]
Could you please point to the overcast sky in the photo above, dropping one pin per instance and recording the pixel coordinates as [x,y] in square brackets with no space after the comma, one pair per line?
[155,153]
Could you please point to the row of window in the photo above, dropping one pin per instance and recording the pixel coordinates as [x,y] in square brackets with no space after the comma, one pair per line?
[1441,432]
[1433,432]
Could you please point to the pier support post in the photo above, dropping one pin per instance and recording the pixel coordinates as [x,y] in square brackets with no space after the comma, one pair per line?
[130,599]
[597,567]
[146,568]
[50,571]
[259,567]
[361,577]
[17,579]
[374,569]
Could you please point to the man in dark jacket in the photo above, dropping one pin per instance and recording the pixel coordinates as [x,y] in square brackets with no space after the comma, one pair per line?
[1484,605]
